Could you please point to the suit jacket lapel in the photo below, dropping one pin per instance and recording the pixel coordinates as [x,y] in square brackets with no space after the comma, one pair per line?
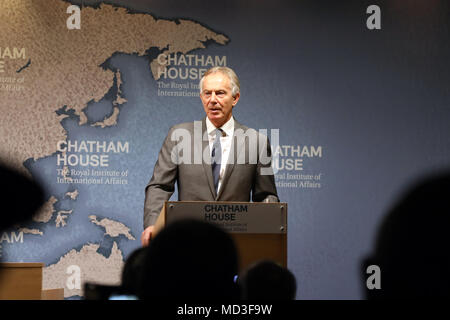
[207,167]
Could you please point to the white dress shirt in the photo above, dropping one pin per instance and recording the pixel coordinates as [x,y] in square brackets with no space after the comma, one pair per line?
[225,142]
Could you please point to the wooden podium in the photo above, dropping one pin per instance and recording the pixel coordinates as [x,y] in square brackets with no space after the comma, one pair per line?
[23,281]
[258,229]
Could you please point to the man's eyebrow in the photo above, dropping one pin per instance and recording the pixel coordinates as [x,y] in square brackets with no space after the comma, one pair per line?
[212,90]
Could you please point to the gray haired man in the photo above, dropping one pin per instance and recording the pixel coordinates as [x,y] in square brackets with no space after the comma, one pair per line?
[241,176]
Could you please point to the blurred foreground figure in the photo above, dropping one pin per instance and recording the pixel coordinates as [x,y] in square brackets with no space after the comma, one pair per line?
[190,260]
[412,244]
[132,272]
[20,197]
[267,280]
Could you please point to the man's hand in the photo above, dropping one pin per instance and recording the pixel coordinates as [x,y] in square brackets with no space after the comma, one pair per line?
[146,236]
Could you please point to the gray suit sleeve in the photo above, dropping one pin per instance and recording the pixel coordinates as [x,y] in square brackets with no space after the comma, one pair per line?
[264,188]
[162,184]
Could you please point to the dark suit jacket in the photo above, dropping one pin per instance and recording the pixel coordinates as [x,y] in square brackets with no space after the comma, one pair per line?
[195,181]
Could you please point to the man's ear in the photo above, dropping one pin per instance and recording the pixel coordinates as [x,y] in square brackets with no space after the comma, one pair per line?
[236,98]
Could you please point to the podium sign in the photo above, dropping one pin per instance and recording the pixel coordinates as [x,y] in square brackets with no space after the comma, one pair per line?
[258,229]
[233,217]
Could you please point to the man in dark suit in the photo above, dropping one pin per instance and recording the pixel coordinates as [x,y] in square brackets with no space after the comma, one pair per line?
[192,155]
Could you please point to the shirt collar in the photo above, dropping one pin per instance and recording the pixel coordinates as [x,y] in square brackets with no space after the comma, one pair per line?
[228,127]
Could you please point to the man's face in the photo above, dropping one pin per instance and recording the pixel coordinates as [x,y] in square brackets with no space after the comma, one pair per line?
[217,99]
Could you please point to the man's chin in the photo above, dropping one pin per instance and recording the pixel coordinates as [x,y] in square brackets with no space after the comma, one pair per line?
[217,120]
[215,117]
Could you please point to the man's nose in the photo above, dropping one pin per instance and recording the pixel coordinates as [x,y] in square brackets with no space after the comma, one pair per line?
[213,97]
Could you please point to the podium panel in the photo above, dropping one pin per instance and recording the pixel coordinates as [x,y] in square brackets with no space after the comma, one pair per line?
[23,281]
[256,247]
[258,229]
[20,281]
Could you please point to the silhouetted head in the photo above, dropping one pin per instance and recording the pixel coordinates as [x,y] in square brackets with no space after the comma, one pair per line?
[132,272]
[20,197]
[267,280]
[412,247]
[191,260]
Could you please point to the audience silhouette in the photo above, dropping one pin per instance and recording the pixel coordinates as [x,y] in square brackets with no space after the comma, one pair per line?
[267,280]
[132,272]
[21,197]
[412,244]
[190,259]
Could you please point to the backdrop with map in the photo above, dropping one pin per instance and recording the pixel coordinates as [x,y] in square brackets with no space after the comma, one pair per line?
[361,113]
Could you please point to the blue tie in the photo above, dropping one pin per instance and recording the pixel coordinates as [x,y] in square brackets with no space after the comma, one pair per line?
[216,158]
